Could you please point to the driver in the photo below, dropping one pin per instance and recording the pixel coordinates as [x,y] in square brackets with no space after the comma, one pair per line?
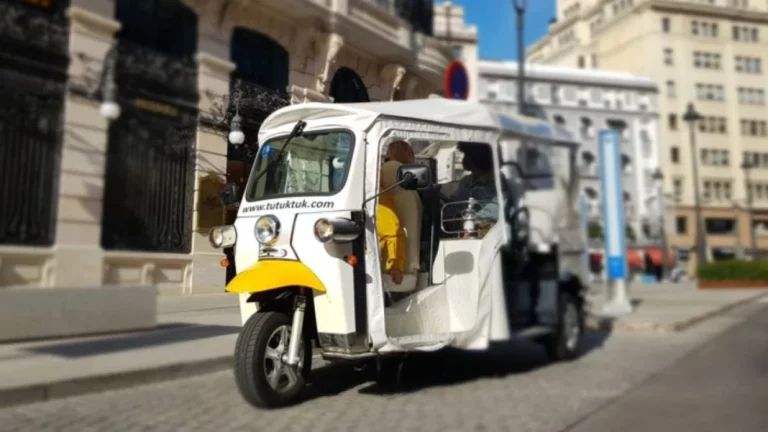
[480,184]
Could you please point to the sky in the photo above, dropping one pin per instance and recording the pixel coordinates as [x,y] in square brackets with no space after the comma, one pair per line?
[495,21]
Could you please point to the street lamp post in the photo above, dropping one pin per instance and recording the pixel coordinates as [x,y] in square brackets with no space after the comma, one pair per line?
[520,6]
[658,178]
[691,116]
[747,166]
[109,108]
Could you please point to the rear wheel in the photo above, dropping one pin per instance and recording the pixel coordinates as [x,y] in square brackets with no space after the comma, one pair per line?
[261,373]
[565,343]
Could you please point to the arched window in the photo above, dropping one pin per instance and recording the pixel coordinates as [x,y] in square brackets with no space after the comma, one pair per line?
[348,87]
[150,168]
[259,60]
[166,26]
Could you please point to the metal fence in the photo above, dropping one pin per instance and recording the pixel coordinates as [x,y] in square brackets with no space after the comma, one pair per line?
[33,65]
[150,173]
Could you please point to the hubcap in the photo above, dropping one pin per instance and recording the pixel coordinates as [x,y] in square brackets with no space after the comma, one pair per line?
[571,327]
[280,376]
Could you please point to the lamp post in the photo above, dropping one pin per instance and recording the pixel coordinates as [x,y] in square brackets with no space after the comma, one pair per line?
[109,108]
[691,116]
[747,166]
[236,135]
[658,178]
[520,6]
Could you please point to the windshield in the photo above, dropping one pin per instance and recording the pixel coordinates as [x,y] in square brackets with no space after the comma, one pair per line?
[312,164]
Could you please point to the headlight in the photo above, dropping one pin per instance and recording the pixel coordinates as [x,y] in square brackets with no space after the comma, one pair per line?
[222,236]
[267,230]
[324,230]
[337,230]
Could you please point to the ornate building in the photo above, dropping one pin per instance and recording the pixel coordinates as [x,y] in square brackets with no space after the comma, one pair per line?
[113,134]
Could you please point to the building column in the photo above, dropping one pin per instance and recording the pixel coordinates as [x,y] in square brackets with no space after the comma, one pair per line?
[214,71]
[78,254]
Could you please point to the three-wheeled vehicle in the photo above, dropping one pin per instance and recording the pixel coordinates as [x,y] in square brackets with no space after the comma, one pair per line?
[495,245]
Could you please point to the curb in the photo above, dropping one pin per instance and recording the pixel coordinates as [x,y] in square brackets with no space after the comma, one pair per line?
[596,322]
[24,395]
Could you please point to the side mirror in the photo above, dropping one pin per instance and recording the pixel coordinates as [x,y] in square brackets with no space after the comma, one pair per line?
[521,226]
[414,177]
[228,194]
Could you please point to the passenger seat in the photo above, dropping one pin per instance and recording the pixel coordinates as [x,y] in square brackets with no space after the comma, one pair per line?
[409,211]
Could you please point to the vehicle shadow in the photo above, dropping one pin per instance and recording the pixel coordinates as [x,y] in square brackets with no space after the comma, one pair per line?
[108,344]
[444,368]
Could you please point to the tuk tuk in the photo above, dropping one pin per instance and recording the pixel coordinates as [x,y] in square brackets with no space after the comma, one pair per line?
[494,245]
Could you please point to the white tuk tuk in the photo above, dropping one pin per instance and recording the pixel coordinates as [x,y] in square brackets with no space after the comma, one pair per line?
[494,244]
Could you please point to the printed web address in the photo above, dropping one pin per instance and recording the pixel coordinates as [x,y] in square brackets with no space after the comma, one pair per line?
[289,205]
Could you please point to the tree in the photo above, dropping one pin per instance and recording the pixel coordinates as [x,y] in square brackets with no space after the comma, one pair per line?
[595,230]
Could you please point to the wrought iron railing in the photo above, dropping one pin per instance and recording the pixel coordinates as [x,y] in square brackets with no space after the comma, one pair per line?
[33,27]
[148,191]
[150,172]
[33,65]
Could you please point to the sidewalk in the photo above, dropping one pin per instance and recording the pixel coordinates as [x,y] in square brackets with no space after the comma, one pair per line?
[668,307]
[197,335]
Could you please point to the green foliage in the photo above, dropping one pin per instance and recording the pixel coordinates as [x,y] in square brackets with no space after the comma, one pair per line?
[734,270]
[595,230]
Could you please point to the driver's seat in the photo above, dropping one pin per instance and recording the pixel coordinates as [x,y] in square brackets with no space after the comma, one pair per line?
[409,211]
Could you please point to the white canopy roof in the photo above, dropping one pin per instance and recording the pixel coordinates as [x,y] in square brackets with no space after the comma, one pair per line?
[433,110]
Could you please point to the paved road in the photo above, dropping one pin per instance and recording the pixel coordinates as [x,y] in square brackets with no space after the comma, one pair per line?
[493,392]
[719,387]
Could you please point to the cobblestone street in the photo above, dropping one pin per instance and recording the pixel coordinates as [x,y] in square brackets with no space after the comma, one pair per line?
[472,392]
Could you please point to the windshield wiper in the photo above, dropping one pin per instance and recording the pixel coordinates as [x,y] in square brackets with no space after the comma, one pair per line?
[298,129]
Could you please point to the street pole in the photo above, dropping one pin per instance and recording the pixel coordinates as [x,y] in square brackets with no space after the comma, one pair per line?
[692,117]
[520,6]
[658,176]
[664,245]
[747,167]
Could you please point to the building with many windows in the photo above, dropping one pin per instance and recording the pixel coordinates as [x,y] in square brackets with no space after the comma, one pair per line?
[708,52]
[115,116]
[584,102]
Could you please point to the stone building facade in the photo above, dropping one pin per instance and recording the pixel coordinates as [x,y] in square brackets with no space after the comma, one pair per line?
[115,145]
[705,53]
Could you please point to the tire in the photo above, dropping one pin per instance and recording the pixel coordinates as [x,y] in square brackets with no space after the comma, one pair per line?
[252,363]
[564,345]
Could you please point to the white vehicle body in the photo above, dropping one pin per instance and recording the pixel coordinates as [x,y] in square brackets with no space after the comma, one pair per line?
[464,305]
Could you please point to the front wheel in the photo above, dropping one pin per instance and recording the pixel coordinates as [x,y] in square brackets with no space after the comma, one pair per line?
[261,374]
[565,343]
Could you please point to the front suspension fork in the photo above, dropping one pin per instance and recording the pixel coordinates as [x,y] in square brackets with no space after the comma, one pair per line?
[297,328]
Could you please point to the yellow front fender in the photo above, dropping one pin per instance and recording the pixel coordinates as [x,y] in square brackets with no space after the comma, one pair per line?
[273,274]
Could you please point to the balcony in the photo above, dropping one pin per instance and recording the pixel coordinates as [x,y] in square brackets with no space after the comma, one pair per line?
[396,30]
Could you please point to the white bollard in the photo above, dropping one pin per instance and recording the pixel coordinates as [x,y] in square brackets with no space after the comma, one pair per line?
[618,299]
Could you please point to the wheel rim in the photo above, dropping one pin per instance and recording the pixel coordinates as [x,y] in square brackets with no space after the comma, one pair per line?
[280,376]
[571,327]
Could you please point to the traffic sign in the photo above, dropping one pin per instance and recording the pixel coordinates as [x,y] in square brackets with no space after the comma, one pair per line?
[456,83]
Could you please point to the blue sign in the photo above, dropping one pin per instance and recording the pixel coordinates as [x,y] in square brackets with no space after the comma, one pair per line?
[613,204]
[266,150]
[456,83]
